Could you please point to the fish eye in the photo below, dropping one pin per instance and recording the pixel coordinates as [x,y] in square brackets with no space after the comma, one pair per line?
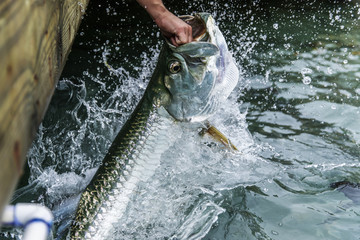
[174,66]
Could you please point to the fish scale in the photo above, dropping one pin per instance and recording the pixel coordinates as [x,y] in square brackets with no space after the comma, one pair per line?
[105,199]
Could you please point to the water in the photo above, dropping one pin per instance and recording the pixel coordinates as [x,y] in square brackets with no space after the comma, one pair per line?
[294,118]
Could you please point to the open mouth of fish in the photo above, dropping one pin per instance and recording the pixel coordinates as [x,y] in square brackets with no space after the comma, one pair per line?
[198,25]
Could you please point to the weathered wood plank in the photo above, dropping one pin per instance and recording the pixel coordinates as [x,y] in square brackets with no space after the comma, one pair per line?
[35,40]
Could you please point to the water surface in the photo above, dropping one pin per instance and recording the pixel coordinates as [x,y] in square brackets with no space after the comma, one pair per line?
[294,118]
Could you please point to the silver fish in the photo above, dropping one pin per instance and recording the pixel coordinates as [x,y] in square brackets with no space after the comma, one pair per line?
[189,83]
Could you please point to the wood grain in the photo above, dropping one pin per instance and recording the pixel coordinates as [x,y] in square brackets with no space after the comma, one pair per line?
[35,40]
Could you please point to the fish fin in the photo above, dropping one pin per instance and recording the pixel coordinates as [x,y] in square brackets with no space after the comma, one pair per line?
[218,136]
[350,189]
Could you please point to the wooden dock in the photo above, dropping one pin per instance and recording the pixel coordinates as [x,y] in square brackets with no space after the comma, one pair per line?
[35,40]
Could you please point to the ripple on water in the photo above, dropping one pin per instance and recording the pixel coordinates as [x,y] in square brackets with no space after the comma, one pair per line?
[297,129]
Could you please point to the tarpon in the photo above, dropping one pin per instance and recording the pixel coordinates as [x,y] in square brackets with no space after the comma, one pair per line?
[189,84]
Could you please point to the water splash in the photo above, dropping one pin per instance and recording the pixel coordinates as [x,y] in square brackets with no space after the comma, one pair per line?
[298,143]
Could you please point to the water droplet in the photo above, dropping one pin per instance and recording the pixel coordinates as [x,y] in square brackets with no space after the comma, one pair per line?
[307,80]
[263,36]
[276,26]
[274,232]
[306,71]
[333,107]
[287,46]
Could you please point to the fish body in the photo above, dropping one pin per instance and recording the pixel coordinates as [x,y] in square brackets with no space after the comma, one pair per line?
[188,84]
[133,157]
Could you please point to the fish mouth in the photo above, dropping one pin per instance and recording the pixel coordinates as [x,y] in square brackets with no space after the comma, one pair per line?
[198,25]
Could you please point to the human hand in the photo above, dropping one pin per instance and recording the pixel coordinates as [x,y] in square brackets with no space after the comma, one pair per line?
[174,28]
[170,25]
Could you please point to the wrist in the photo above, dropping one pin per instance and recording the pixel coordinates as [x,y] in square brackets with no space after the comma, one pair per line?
[155,10]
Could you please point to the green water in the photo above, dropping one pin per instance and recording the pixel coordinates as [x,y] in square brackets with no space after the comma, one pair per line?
[302,100]
[294,116]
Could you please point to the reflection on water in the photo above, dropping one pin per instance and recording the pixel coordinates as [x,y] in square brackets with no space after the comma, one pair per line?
[294,118]
[302,99]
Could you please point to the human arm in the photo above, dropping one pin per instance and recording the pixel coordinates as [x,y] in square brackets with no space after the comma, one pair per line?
[170,25]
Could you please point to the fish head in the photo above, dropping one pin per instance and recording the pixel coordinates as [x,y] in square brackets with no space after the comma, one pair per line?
[200,75]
